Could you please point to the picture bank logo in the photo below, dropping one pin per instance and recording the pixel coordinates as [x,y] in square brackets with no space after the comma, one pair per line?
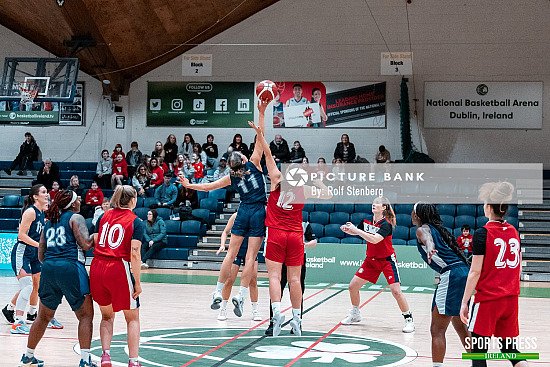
[296,177]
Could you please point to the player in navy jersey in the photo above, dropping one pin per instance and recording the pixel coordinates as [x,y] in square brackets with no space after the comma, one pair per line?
[439,249]
[24,255]
[62,245]
[247,179]
[495,276]
[115,271]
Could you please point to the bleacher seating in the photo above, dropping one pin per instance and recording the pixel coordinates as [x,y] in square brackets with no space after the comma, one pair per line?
[338,218]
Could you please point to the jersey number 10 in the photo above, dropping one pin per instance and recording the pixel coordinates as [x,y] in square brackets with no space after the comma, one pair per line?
[113,235]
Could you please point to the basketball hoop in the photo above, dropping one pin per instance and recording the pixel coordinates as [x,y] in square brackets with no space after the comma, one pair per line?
[28,92]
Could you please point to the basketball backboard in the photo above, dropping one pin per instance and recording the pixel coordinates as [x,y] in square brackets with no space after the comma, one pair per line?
[55,77]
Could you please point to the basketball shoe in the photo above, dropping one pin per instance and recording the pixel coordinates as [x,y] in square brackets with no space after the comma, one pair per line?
[106,360]
[9,314]
[30,362]
[216,300]
[353,317]
[277,320]
[409,325]
[296,325]
[222,316]
[20,327]
[238,302]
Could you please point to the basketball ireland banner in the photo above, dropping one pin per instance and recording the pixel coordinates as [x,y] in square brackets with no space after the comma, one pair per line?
[7,241]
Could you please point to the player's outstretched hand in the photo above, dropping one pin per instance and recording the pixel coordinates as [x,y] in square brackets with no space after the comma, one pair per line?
[431,254]
[262,106]
[183,180]
[464,313]
[349,228]
[255,127]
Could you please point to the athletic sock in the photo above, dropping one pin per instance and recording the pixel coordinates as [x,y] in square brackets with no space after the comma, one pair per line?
[219,286]
[244,292]
[11,306]
[33,309]
[133,360]
[276,307]
[20,318]
[254,306]
[29,353]
[296,313]
[85,355]
[224,304]
[407,315]
[355,309]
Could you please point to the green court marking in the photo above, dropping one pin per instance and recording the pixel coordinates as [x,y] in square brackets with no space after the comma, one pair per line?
[527,292]
[175,347]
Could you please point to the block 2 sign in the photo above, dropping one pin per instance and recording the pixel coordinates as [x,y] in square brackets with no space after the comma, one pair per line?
[197,65]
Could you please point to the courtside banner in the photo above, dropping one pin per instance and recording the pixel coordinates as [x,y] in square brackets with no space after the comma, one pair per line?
[7,241]
[337,263]
[449,183]
[200,104]
[483,105]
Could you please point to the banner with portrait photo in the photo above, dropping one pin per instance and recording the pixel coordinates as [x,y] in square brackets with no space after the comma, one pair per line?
[330,105]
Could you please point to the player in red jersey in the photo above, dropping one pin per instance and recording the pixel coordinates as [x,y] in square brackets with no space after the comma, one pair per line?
[495,275]
[380,259]
[284,238]
[115,270]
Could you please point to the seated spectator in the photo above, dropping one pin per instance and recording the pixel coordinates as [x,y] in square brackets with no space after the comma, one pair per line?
[28,153]
[117,151]
[156,173]
[322,168]
[74,184]
[54,190]
[188,170]
[345,151]
[100,210]
[211,151]
[154,237]
[187,145]
[178,166]
[197,149]
[383,155]
[146,160]
[297,154]
[47,174]
[104,170]
[163,164]
[222,170]
[186,197]
[279,149]
[134,158]
[304,164]
[170,151]
[166,194]
[94,198]
[238,146]
[142,180]
[158,151]
[465,241]
[198,166]
[120,171]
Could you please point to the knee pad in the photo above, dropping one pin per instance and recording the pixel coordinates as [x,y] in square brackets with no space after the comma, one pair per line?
[25,286]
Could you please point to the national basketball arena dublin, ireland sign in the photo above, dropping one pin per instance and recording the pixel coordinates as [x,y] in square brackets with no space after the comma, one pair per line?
[178,347]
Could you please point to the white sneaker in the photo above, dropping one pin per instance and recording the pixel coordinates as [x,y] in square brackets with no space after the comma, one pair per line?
[256,315]
[222,316]
[238,302]
[277,320]
[216,300]
[296,325]
[409,325]
[144,266]
[352,318]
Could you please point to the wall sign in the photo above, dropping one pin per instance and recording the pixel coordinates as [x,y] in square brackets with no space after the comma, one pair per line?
[197,65]
[396,63]
[483,105]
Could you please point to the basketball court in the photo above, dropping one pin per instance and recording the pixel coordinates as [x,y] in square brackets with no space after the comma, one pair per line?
[179,329]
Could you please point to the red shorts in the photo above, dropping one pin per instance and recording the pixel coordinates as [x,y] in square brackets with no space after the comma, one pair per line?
[371,268]
[112,283]
[284,247]
[498,317]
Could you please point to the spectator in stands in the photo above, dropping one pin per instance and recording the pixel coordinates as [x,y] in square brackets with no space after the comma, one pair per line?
[170,151]
[94,198]
[297,154]
[117,151]
[305,164]
[322,168]
[222,170]
[316,98]
[211,151]
[279,150]
[134,158]
[227,153]
[198,166]
[187,145]
[146,160]
[383,155]
[197,149]
[156,173]
[54,190]
[104,170]
[238,145]
[345,150]
[74,184]
[178,165]
[163,165]
[100,210]
[166,194]
[465,241]
[186,198]
[28,153]
[158,151]
[154,237]
[298,99]
[142,180]
[120,171]
[47,174]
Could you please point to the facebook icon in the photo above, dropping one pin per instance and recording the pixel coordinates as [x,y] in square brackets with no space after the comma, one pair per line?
[221,105]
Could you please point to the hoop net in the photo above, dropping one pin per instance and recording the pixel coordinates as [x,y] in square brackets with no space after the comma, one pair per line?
[28,92]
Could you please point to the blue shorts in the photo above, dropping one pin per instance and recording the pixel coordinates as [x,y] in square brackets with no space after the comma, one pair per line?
[250,221]
[449,291]
[25,257]
[63,278]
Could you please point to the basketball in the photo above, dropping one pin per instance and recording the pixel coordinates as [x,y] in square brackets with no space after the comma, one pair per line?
[266,91]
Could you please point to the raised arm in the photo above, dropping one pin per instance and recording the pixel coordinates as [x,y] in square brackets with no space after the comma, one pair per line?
[209,186]
[273,171]
[80,231]
[256,156]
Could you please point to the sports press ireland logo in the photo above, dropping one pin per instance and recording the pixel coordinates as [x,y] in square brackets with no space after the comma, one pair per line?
[296,177]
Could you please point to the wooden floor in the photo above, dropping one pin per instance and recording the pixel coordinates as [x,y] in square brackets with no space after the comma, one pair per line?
[179,329]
